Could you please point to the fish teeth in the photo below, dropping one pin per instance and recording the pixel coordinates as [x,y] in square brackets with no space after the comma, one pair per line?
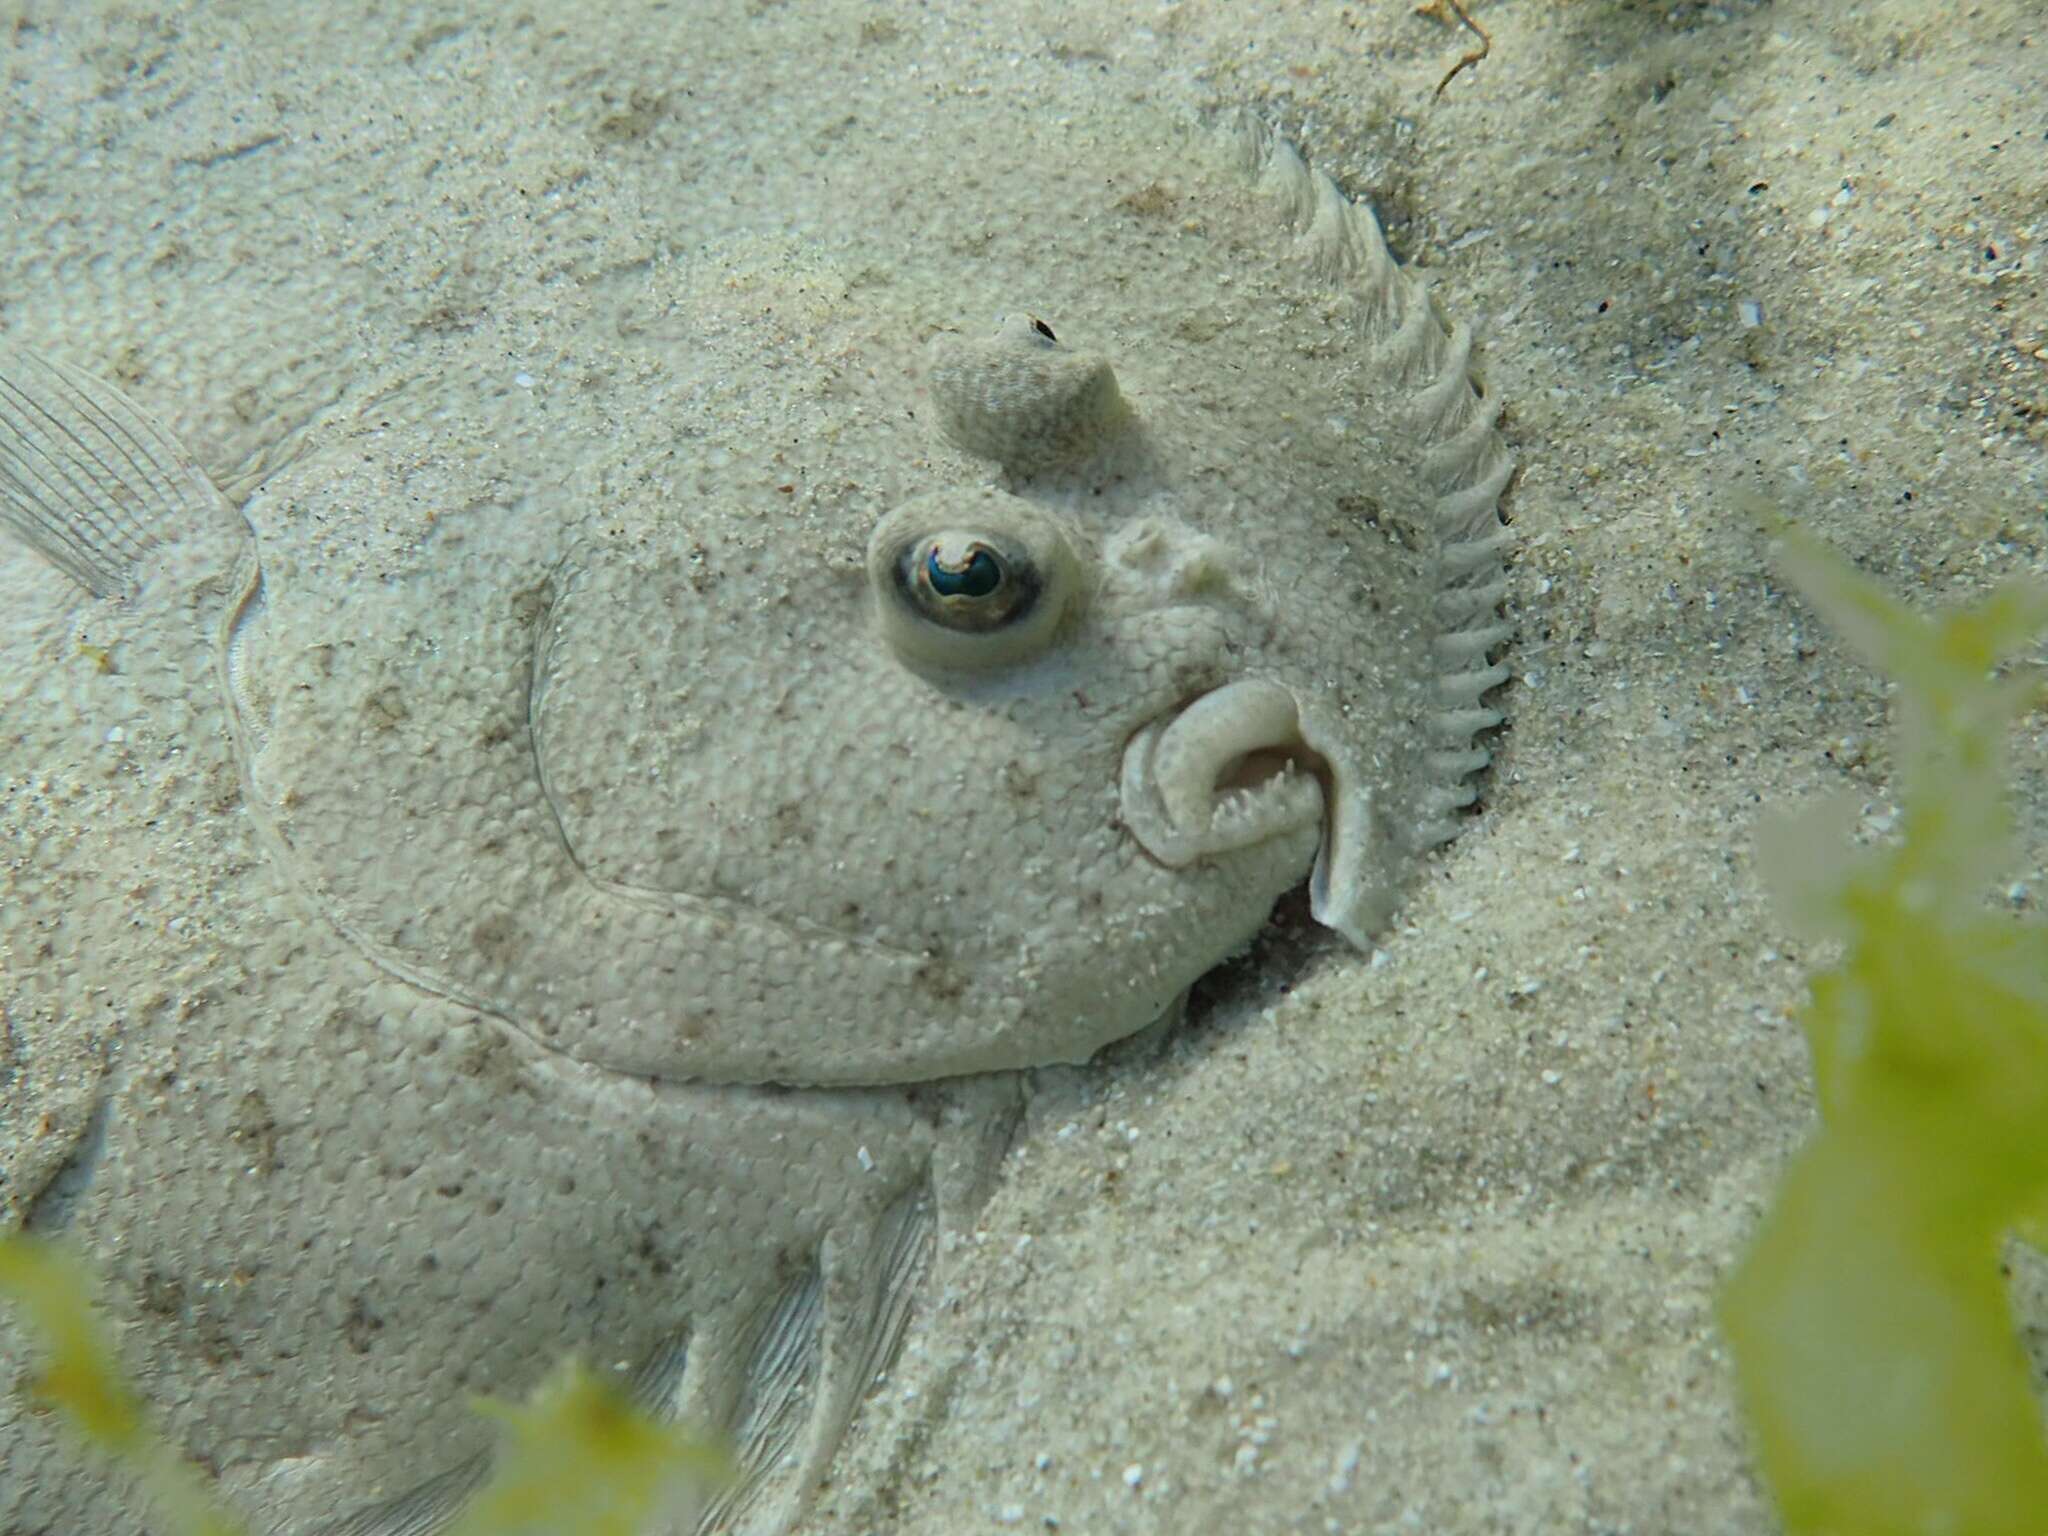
[1243,813]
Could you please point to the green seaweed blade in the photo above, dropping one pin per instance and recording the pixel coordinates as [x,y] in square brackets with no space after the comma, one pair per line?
[1874,1345]
[576,1459]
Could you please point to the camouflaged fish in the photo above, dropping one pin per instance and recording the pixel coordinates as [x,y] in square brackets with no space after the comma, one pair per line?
[641,892]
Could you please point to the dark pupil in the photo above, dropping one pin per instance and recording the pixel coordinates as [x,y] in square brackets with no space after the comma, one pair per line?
[977,578]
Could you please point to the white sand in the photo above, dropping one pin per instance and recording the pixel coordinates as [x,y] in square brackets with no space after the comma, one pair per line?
[1427,1242]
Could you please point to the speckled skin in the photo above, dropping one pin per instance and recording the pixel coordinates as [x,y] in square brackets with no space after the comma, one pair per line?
[568,920]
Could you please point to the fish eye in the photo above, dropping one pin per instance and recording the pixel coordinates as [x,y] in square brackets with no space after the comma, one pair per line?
[979,577]
[972,578]
[966,582]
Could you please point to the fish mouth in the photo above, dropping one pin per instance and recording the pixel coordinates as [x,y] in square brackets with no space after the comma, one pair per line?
[1238,767]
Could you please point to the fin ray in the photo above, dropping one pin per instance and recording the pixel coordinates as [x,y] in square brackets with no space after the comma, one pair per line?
[88,480]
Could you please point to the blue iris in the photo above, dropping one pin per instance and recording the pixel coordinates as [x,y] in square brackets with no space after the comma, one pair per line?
[977,578]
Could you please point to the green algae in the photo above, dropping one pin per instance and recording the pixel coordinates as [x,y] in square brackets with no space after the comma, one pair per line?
[576,1459]
[81,1382]
[1875,1349]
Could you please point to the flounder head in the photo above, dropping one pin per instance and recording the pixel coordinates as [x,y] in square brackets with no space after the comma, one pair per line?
[971,757]
[1147,662]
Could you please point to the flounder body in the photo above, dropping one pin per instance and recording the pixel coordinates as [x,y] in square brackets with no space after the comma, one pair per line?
[682,858]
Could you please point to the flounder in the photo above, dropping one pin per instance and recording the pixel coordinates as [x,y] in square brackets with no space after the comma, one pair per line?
[684,862]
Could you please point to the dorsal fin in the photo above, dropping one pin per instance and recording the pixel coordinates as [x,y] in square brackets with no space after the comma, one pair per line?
[1465,464]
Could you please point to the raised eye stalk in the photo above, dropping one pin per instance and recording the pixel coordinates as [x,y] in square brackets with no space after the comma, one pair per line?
[1023,398]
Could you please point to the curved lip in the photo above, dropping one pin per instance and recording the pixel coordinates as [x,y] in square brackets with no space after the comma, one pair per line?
[1188,787]
[1238,766]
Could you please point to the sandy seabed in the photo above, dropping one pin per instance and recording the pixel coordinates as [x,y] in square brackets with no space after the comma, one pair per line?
[1426,1240]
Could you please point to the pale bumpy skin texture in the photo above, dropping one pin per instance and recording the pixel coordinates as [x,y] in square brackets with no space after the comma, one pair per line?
[585,786]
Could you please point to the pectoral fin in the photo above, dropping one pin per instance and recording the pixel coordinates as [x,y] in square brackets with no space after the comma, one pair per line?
[89,481]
